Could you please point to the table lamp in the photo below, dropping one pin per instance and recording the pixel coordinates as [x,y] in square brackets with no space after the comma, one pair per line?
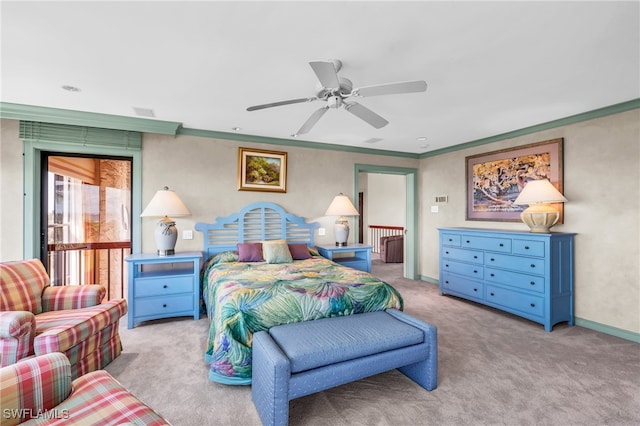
[164,204]
[540,216]
[341,206]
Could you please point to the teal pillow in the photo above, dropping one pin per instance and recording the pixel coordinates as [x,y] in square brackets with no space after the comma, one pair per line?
[276,252]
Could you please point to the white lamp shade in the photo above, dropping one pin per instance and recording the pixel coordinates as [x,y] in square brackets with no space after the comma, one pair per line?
[539,191]
[341,206]
[166,203]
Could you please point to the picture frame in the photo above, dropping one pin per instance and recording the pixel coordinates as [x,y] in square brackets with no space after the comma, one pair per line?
[261,170]
[495,179]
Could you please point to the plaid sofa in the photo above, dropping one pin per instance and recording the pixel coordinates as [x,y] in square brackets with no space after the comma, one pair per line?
[39,391]
[36,318]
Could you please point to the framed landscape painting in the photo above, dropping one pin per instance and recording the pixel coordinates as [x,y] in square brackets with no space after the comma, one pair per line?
[495,179]
[260,170]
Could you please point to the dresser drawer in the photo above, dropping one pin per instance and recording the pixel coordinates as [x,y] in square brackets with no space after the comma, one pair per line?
[502,245]
[452,240]
[528,247]
[529,265]
[472,256]
[528,304]
[163,306]
[473,271]
[159,286]
[463,286]
[515,279]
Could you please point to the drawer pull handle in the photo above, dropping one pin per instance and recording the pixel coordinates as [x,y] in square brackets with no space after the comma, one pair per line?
[446,266]
[475,271]
[446,252]
[526,247]
[533,305]
[492,294]
[446,282]
[492,259]
[468,241]
[164,305]
[493,275]
[164,286]
[501,245]
[475,257]
[533,266]
[475,289]
[450,239]
[532,283]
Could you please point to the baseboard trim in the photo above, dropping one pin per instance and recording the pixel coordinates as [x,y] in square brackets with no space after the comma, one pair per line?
[591,325]
[607,329]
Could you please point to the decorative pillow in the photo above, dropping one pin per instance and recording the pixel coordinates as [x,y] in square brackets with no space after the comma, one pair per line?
[276,251]
[250,252]
[299,251]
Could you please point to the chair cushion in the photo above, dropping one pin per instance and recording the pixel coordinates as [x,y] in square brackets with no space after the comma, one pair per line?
[21,285]
[326,341]
[57,331]
[98,398]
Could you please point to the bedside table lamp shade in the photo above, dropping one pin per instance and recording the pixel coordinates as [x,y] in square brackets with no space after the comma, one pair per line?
[164,204]
[341,206]
[540,216]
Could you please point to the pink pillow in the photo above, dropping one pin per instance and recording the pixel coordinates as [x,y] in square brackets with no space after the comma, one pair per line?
[250,252]
[299,251]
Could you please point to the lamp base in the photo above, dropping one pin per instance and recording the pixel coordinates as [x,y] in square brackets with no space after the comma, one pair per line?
[166,236]
[341,231]
[540,217]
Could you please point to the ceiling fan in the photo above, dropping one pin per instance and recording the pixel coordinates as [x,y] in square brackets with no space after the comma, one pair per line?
[339,92]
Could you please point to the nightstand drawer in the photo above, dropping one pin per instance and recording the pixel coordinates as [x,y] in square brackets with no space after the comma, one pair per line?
[158,286]
[528,265]
[531,305]
[164,306]
[463,255]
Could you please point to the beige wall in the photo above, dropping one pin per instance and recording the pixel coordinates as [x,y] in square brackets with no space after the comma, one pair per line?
[601,182]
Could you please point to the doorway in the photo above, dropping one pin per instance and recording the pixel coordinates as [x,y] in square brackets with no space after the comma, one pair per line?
[411,213]
[85,219]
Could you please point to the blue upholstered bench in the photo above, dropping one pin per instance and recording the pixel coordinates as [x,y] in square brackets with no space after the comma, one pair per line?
[294,360]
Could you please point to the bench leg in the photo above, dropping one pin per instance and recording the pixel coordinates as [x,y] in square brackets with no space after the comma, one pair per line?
[270,381]
[424,373]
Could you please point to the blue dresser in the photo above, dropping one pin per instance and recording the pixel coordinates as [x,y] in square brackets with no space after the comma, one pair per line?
[526,274]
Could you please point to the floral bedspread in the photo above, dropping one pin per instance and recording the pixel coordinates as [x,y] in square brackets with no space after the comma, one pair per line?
[243,298]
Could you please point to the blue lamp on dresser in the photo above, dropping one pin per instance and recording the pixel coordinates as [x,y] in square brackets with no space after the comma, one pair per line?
[540,216]
[166,203]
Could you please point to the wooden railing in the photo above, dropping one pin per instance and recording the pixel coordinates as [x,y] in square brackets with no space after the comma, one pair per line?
[90,263]
[378,231]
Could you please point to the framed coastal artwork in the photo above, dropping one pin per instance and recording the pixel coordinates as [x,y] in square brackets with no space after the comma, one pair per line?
[260,170]
[495,179]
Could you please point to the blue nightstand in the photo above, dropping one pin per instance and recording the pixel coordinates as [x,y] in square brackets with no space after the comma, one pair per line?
[169,288]
[356,256]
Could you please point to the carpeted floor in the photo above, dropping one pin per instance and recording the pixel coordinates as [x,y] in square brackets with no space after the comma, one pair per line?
[494,369]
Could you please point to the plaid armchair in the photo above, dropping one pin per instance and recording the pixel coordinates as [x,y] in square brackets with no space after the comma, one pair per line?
[39,391]
[36,318]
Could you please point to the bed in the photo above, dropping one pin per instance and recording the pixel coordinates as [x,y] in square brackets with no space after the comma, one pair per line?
[261,270]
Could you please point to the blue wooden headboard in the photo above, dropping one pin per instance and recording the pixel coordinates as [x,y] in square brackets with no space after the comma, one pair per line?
[255,222]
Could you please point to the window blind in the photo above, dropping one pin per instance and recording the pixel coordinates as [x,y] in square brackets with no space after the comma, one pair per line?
[81,135]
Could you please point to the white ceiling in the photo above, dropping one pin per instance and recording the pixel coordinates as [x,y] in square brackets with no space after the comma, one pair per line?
[491,67]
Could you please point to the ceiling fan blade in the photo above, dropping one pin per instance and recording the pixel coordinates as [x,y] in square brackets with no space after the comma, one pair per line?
[365,114]
[326,73]
[275,104]
[311,121]
[391,88]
